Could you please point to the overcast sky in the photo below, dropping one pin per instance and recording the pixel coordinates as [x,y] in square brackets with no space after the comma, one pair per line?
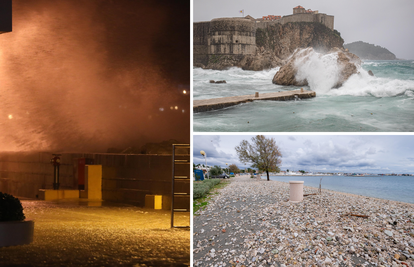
[337,153]
[385,23]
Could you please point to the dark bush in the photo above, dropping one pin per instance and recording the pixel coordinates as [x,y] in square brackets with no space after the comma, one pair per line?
[10,208]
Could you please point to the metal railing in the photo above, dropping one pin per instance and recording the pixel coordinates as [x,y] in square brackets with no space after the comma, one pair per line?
[182,176]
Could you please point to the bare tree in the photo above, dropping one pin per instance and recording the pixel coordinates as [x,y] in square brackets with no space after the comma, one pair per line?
[262,152]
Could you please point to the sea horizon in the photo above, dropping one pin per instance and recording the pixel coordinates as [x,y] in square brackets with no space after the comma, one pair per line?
[395,188]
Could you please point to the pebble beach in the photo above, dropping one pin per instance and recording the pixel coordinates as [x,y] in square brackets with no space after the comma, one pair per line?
[251,222]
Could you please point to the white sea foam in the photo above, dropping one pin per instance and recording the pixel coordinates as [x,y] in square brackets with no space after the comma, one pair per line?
[363,84]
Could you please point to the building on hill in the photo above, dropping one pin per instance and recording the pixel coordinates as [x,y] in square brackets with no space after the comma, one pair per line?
[236,37]
[302,10]
[299,10]
[271,17]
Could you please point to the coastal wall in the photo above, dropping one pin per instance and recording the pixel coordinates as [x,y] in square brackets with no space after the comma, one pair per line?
[200,42]
[232,36]
[125,178]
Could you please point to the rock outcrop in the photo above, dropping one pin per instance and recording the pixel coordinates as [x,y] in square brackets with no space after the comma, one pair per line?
[346,64]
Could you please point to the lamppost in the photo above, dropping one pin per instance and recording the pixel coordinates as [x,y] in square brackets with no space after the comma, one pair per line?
[228,172]
[205,158]
[55,161]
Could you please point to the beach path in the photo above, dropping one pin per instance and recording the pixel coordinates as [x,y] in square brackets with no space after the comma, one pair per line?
[251,223]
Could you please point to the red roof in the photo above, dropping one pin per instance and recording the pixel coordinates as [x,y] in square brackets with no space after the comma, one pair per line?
[299,7]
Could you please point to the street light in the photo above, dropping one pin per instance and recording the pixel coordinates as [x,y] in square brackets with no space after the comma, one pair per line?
[205,158]
[228,172]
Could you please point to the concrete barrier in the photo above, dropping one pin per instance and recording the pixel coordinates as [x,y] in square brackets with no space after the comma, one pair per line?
[296,191]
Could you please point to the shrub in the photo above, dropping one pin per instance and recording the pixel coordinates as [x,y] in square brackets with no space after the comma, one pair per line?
[10,208]
[211,182]
[201,189]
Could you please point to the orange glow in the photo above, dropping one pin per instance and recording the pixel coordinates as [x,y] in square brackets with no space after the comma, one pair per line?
[184,91]
[176,107]
[10,116]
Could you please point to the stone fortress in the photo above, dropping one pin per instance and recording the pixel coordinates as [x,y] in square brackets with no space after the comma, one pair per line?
[236,37]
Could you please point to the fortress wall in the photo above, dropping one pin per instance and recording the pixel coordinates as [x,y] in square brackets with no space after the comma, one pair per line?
[232,43]
[237,36]
[327,20]
[200,42]
[265,24]
[298,18]
[232,36]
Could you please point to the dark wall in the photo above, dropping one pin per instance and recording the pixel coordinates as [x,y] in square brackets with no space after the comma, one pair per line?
[5,16]
[125,178]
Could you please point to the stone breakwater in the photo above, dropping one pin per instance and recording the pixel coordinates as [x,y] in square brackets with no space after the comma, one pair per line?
[251,223]
[224,102]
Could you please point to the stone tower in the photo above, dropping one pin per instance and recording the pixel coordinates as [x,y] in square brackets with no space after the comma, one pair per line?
[299,10]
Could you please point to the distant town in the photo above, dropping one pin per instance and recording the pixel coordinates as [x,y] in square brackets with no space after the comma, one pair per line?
[302,172]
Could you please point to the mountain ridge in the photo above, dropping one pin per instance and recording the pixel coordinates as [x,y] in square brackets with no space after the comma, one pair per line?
[369,51]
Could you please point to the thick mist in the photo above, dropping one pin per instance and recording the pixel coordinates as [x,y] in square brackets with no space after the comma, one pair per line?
[86,75]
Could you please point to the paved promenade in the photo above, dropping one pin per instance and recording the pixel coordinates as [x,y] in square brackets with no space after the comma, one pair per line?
[251,223]
[219,103]
[82,233]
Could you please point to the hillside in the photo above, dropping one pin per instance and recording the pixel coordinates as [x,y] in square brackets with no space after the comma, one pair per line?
[369,51]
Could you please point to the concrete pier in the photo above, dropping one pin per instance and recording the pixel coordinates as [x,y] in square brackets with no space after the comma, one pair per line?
[219,103]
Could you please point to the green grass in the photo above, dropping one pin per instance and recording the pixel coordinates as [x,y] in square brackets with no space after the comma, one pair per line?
[201,203]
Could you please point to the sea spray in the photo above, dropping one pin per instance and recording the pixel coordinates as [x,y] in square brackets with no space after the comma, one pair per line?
[321,71]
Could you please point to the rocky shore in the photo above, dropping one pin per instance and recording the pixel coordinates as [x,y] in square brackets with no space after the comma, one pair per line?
[251,223]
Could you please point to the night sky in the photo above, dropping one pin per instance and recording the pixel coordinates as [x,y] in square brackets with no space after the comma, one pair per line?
[88,75]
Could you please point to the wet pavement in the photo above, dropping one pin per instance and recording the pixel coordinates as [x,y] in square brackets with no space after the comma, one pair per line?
[85,233]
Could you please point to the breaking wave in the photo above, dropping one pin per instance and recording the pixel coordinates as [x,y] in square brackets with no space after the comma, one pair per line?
[365,85]
[323,72]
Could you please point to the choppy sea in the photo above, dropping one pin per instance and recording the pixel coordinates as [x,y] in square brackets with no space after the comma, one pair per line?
[380,103]
[398,188]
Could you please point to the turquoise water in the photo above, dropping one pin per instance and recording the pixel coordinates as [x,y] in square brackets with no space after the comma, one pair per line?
[383,103]
[399,188]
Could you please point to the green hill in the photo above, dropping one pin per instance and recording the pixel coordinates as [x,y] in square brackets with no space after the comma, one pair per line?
[369,51]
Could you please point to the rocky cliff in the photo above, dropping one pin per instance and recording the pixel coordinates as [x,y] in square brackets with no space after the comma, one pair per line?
[275,43]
